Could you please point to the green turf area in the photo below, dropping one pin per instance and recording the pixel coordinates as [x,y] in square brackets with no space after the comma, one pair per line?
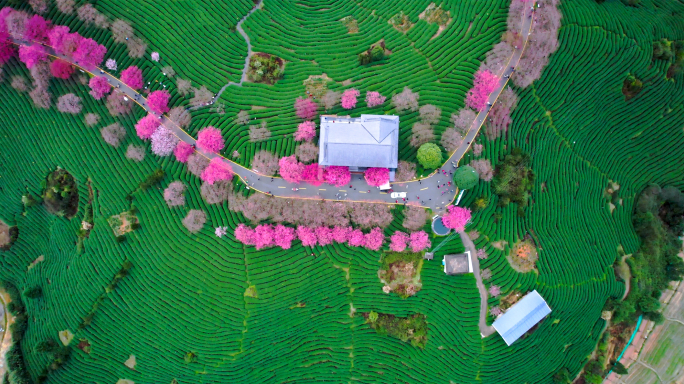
[277,316]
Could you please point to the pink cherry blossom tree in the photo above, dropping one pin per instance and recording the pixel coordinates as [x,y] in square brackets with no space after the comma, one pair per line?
[456,218]
[209,139]
[349,98]
[132,76]
[373,99]
[307,236]
[6,47]
[263,236]
[337,175]
[305,108]
[324,235]
[485,82]
[356,238]
[159,102]
[313,174]
[163,141]
[290,169]
[419,241]
[341,234]
[398,241]
[89,53]
[245,234]
[37,29]
[56,37]
[146,126]
[61,69]
[305,131]
[376,176]
[373,240]
[99,87]
[217,170]
[283,236]
[182,151]
[32,55]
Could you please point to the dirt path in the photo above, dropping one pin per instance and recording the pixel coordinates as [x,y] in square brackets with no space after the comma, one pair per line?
[485,330]
[5,336]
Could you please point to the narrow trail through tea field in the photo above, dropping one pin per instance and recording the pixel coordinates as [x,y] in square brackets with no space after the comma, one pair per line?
[429,192]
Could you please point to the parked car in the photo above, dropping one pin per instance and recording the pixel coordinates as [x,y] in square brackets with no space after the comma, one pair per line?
[397,195]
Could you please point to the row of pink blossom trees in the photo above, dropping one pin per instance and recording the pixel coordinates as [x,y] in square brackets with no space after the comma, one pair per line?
[294,171]
[306,108]
[484,84]
[268,235]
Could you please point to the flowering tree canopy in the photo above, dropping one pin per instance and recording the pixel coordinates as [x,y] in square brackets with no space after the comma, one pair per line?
[146,126]
[37,29]
[245,234]
[163,141]
[132,76]
[373,240]
[209,139]
[99,87]
[356,238]
[263,236]
[419,241]
[6,47]
[154,56]
[61,69]
[182,151]
[373,99]
[159,102]
[485,82]
[313,174]
[290,169]
[217,170]
[283,236]
[307,236]
[305,108]
[341,234]
[89,53]
[111,64]
[456,218]
[305,131]
[324,235]
[349,98]
[376,176]
[337,175]
[32,55]
[398,241]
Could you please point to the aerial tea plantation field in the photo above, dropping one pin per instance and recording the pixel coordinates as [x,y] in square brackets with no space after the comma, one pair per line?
[198,308]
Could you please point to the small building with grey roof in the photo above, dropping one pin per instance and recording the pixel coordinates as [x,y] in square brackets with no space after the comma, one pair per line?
[521,317]
[458,264]
[369,141]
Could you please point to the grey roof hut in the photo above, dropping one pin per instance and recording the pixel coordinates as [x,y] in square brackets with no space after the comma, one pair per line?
[369,141]
[458,264]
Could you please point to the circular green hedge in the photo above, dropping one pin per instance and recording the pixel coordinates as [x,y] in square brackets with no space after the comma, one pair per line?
[429,156]
[465,177]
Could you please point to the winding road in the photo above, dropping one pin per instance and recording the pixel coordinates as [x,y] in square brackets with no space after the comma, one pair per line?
[429,192]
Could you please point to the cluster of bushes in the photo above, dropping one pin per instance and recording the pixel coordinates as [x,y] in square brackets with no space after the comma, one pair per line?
[514,180]
[411,329]
[658,219]
[665,49]
[598,367]
[123,272]
[151,179]
[376,52]
[60,194]
[265,68]
[631,86]
[8,235]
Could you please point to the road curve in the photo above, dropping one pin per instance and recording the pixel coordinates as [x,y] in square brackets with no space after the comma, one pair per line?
[430,192]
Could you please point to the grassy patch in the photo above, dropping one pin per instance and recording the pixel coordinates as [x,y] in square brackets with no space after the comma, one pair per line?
[411,329]
[400,272]
[265,68]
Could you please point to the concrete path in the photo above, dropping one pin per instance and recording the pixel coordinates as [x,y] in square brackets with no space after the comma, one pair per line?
[485,329]
[430,192]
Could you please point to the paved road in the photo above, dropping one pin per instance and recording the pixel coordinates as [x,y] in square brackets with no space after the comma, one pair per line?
[431,192]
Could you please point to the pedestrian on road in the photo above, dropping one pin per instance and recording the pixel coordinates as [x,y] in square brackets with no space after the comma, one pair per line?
[369,191]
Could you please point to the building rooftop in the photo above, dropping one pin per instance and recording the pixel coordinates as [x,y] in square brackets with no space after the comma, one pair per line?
[458,264]
[366,141]
[522,316]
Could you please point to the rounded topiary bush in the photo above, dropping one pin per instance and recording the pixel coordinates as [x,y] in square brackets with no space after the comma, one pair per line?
[465,177]
[429,156]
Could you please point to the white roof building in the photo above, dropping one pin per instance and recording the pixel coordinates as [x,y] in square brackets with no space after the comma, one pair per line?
[361,142]
[521,317]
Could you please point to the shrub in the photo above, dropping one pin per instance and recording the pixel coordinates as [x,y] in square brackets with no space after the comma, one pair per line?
[465,177]
[631,86]
[152,179]
[60,195]
[514,179]
[411,329]
[429,156]
[265,68]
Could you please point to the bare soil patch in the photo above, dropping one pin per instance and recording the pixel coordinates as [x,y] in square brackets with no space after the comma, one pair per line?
[122,223]
[523,257]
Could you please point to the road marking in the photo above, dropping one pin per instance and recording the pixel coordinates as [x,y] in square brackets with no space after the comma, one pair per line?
[424,188]
[302,188]
[343,190]
[322,189]
[281,187]
[383,193]
[362,192]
